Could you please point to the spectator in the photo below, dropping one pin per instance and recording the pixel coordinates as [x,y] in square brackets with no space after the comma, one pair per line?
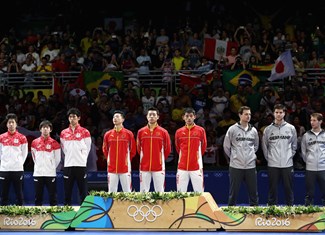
[147,100]
[177,59]
[143,62]
[238,100]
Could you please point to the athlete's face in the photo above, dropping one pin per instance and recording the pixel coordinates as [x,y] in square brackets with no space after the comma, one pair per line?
[152,116]
[45,131]
[245,116]
[74,119]
[11,125]
[279,114]
[315,123]
[189,118]
[118,119]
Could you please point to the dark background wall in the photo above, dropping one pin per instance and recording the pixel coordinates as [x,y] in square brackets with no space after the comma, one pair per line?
[216,182]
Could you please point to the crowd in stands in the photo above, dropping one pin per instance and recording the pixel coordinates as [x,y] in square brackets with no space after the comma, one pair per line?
[144,49]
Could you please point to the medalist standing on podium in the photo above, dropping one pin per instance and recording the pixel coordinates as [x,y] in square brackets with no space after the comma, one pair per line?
[190,143]
[279,144]
[75,143]
[119,148]
[240,145]
[313,153]
[13,154]
[46,153]
[153,145]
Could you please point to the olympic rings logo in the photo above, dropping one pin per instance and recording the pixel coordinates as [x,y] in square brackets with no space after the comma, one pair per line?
[144,212]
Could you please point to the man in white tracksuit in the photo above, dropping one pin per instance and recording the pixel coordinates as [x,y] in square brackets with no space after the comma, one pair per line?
[46,153]
[240,145]
[13,154]
[75,143]
[279,144]
[313,153]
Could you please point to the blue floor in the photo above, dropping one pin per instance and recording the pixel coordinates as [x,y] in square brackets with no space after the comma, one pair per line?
[147,232]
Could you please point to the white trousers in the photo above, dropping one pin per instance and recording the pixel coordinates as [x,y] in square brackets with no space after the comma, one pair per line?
[158,180]
[183,178]
[125,180]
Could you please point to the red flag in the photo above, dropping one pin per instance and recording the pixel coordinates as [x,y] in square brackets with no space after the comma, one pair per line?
[215,48]
[79,82]
[209,48]
[283,67]
[57,87]
[193,80]
[189,79]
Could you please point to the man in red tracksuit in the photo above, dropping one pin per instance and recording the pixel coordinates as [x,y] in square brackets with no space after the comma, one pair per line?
[190,143]
[119,148]
[153,145]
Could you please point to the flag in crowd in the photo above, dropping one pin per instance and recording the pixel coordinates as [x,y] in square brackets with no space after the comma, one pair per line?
[233,78]
[193,80]
[58,86]
[89,80]
[214,49]
[283,67]
[262,67]
[101,80]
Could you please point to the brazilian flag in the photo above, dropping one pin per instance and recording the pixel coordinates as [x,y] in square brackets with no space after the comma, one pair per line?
[233,78]
[102,80]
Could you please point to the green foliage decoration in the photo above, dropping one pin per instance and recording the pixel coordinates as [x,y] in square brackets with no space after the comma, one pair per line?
[149,197]
[276,211]
[28,211]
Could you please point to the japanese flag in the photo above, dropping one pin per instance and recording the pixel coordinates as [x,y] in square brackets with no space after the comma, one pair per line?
[283,67]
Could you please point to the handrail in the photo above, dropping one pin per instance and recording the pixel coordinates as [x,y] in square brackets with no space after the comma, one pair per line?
[44,80]
[36,80]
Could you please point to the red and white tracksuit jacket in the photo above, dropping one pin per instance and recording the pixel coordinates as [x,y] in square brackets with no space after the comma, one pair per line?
[190,144]
[75,146]
[119,148]
[153,147]
[46,153]
[13,151]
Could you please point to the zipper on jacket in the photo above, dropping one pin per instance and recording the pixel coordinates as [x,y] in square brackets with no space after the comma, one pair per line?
[188,148]
[150,160]
[116,153]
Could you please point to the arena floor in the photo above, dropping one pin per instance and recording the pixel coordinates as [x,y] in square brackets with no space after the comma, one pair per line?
[87,232]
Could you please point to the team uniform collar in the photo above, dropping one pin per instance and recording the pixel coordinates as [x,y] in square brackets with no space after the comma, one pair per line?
[12,133]
[190,126]
[118,129]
